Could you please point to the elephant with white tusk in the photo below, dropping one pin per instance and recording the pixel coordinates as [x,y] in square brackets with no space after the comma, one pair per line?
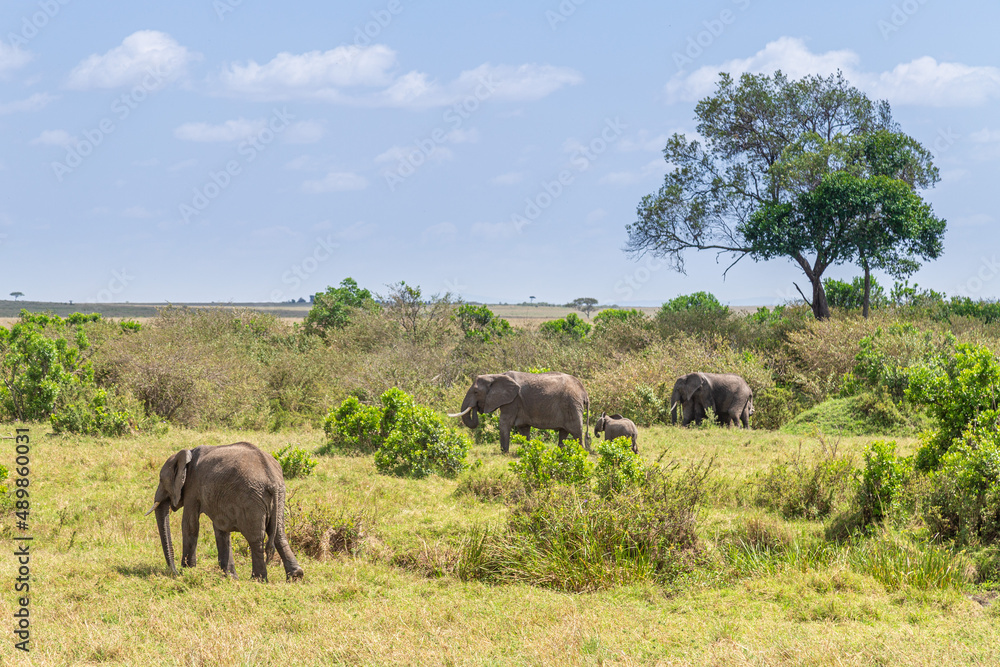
[240,488]
[550,400]
[728,395]
[616,426]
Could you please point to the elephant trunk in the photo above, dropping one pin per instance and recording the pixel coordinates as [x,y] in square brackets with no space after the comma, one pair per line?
[470,413]
[163,526]
[674,400]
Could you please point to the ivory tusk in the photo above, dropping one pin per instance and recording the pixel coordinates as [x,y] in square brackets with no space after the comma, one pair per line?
[155,505]
[462,413]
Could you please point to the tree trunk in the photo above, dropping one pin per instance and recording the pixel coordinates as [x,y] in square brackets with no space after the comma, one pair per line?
[868,286]
[820,308]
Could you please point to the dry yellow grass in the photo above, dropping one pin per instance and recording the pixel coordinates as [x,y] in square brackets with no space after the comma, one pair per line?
[101,592]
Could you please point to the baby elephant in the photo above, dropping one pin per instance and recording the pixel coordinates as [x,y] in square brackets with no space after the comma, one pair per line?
[616,426]
[240,488]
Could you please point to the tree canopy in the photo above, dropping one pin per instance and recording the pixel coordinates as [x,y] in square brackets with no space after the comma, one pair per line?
[332,309]
[810,170]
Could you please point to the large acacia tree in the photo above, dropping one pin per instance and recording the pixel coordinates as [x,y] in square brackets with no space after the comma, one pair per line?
[811,170]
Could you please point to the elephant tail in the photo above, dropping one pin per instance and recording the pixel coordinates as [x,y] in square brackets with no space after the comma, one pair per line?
[750,404]
[275,517]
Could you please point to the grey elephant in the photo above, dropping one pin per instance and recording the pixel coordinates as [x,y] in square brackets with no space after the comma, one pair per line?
[550,400]
[616,426]
[729,396]
[240,488]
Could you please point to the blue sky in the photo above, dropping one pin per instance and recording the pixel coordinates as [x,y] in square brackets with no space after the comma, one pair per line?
[238,150]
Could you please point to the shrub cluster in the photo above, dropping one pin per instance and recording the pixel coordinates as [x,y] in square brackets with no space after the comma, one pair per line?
[295,462]
[407,439]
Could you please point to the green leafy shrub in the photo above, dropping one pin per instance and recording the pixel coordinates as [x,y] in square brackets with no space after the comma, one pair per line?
[295,462]
[407,439]
[959,391]
[353,427]
[95,415]
[6,499]
[773,408]
[479,323]
[851,295]
[806,487]
[621,315]
[334,308]
[570,326]
[619,467]
[882,480]
[540,465]
[964,500]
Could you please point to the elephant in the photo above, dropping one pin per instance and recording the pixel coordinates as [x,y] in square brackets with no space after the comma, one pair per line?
[240,488]
[616,426]
[549,400]
[728,395]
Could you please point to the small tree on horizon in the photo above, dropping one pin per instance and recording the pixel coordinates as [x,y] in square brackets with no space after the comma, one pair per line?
[16,294]
[585,305]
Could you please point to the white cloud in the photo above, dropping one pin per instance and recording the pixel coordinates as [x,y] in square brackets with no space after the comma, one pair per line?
[12,57]
[337,75]
[304,132]
[138,212]
[460,136]
[229,131]
[307,163]
[438,232]
[60,138]
[316,74]
[359,230]
[336,181]
[630,177]
[182,165]
[274,233]
[147,57]
[33,103]
[510,178]
[985,136]
[493,231]
[404,154]
[642,142]
[922,81]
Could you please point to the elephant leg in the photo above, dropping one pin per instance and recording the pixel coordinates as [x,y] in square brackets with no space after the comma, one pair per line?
[292,568]
[224,546]
[189,530]
[524,431]
[635,445]
[745,417]
[506,423]
[257,555]
[563,434]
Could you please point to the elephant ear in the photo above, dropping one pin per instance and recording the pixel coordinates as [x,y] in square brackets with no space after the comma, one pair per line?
[616,416]
[176,476]
[502,391]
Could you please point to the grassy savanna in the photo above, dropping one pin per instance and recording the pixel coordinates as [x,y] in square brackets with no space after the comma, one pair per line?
[791,543]
[102,593]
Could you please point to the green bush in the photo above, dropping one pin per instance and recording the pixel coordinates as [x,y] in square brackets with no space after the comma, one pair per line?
[619,467]
[882,480]
[353,427]
[704,301]
[851,295]
[959,391]
[407,439]
[479,323]
[334,308]
[96,415]
[804,488]
[622,315]
[540,465]
[571,326]
[773,408]
[295,462]
[6,499]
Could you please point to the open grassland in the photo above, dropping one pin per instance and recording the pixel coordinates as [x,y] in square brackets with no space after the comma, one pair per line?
[101,591]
